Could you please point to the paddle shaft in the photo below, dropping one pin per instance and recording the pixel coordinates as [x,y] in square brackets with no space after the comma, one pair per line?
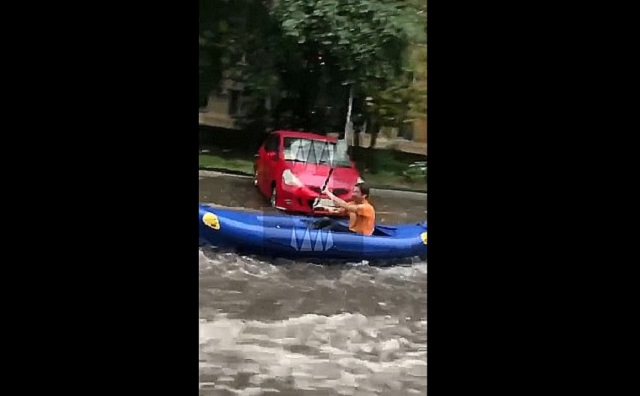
[328,177]
[324,185]
[337,148]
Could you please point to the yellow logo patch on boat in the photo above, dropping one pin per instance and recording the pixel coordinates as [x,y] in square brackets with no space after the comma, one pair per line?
[211,220]
[424,237]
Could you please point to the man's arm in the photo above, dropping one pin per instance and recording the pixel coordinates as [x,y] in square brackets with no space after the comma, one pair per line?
[340,202]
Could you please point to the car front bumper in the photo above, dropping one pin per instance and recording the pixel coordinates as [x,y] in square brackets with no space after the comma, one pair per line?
[301,199]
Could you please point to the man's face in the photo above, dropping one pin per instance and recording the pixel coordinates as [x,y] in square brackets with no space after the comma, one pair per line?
[357,194]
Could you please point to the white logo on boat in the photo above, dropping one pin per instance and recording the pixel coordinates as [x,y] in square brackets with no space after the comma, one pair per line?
[311,240]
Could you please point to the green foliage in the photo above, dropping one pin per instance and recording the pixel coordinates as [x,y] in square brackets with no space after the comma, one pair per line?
[375,161]
[217,39]
[299,54]
[362,37]
[403,98]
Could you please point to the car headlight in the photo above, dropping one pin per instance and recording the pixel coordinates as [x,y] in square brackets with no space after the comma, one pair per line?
[290,179]
[360,180]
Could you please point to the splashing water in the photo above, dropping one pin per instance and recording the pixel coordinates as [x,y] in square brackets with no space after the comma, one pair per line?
[293,328]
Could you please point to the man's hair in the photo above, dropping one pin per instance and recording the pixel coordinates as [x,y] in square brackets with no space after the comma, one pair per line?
[364,189]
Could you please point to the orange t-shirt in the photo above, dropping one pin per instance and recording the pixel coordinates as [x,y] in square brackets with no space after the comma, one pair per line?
[363,221]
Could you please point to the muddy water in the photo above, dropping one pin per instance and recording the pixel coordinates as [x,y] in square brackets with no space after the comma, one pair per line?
[294,328]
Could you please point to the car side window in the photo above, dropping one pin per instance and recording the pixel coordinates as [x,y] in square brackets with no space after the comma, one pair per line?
[276,143]
[272,143]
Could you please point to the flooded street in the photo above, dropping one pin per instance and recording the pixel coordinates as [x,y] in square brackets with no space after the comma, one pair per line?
[392,207]
[294,328]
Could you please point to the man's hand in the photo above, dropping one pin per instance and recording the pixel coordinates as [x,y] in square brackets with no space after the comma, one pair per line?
[339,202]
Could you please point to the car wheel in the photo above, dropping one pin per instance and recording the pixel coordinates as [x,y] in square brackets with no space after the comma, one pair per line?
[272,200]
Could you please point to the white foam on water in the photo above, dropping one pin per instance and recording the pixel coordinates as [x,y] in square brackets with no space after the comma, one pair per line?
[294,327]
[232,265]
[346,352]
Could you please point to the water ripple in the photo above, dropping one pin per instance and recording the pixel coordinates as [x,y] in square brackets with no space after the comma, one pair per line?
[297,328]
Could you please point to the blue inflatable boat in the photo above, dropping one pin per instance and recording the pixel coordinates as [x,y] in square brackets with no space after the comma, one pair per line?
[296,237]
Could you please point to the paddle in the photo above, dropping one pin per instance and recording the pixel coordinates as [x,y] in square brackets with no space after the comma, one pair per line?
[317,200]
[340,148]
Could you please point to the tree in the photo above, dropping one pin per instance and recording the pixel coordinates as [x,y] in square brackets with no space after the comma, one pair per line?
[224,29]
[294,58]
[398,100]
[354,40]
[367,42]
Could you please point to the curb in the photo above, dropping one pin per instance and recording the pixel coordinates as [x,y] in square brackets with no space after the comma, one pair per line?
[226,171]
[394,188]
[373,186]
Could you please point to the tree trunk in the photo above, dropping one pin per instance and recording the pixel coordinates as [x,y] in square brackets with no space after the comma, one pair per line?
[375,128]
[356,140]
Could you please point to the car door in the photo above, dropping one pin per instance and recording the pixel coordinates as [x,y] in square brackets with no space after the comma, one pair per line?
[271,161]
[260,164]
[266,164]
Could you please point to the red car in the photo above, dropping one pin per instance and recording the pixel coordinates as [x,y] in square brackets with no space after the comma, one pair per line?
[291,167]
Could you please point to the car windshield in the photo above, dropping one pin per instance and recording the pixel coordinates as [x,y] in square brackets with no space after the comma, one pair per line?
[315,152]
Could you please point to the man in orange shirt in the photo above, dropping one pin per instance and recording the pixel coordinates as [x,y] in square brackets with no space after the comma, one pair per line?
[362,216]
